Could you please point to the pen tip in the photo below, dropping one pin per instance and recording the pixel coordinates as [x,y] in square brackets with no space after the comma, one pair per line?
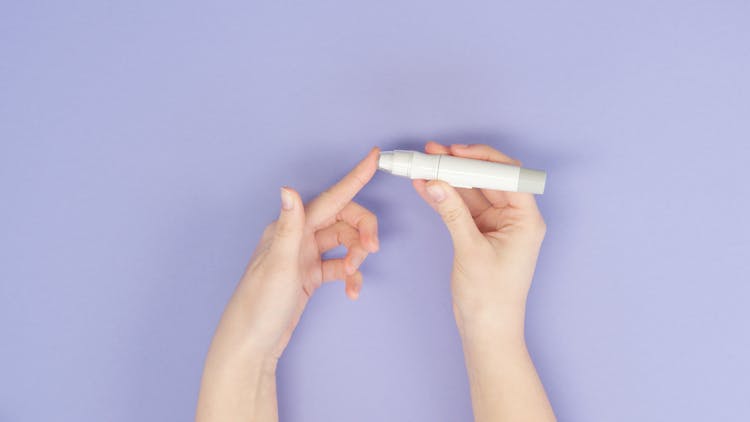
[385,161]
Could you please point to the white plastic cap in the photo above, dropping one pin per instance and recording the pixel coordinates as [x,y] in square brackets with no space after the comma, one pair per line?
[385,162]
[396,162]
[532,181]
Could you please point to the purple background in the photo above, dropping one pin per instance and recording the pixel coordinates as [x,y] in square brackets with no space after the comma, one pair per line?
[142,145]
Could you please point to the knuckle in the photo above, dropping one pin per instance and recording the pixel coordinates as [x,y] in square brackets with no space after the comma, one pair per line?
[351,236]
[538,226]
[360,176]
[339,237]
[370,218]
[284,230]
[452,215]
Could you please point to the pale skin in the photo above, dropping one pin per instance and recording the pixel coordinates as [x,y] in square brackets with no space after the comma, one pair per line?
[496,239]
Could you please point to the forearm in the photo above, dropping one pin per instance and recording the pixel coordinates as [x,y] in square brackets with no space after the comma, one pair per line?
[237,388]
[504,383]
[239,380]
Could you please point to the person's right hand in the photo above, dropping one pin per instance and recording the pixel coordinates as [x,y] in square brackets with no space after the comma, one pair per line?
[496,239]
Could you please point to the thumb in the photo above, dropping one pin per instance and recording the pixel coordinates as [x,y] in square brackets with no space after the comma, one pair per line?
[290,225]
[452,209]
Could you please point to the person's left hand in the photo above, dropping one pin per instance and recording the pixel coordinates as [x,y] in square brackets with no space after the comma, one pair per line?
[287,266]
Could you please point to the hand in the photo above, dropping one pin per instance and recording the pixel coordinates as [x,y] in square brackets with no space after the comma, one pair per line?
[496,239]
[287,267]
[285,270]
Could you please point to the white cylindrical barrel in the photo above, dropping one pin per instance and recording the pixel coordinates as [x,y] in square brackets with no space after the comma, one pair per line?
[462,172]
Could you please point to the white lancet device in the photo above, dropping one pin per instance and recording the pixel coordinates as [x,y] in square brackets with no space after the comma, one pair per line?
[462,172]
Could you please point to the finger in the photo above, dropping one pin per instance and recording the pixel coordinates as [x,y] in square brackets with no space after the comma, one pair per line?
[290,226]
[482,152]
[354,258]
[452,209]
[475,200]
[333,270]
[433,147]
[365,221]
[353,285]
[497,198]
[333,200]
[342,233]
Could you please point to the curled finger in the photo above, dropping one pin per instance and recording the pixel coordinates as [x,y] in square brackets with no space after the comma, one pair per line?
[365,221]
[335,270]
[342,233]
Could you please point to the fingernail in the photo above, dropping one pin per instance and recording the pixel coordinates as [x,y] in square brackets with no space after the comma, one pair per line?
[371,242]
[436,192]
[287,202]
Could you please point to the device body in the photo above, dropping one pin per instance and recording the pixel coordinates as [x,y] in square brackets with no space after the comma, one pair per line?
[462,172]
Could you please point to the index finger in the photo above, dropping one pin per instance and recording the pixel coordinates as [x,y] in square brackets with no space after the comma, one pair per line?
[334,199]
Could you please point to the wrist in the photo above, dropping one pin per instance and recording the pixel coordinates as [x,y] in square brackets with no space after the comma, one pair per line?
[504,325]
[241,360]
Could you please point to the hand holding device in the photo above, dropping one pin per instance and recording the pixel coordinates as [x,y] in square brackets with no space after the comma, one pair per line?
[496,239]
